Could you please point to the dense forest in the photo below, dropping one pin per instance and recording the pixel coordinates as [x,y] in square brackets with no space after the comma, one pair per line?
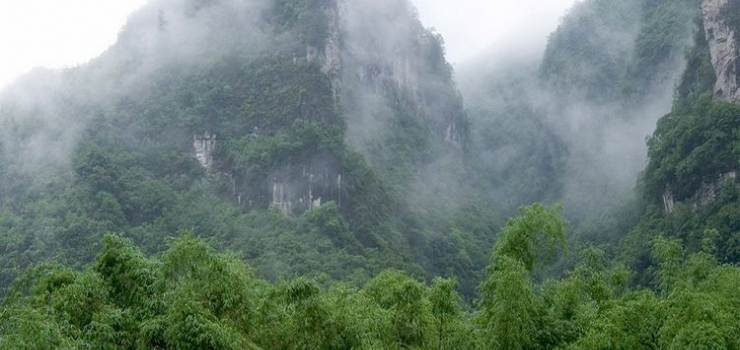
[192,297]
[313,174]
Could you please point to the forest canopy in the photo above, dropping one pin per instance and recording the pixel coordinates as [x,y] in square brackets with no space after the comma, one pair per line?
[307,175]
[192,296]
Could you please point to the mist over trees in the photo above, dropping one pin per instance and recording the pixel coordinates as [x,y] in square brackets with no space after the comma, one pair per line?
[191,296]
[275,113]
[313,174]
[568,122]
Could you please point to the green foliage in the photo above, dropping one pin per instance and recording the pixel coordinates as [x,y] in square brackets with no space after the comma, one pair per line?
[699,76]
[668,254]
[125,270]
[327,221]
[510,311]
[193,297]
[536,232]
[688,150]
[402,298]
[582,37]
[622,48]
[445,308]
[277,121]
[307,18]
[691,154]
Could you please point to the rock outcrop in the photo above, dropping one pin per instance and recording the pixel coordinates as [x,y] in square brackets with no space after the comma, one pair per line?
[705,195]
[390,59]
[723,47]
[329,56]
[668,202]
[388,78]
[305,191]
[204,144]
[709,190]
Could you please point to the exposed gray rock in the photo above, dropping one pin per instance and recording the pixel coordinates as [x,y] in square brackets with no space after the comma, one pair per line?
[723,48]
[709,191]
[204,144]
[281,200]
[705,195]
[668,202]
[298,190]
[332,61]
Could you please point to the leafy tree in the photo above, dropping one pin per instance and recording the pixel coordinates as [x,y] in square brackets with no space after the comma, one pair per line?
[408,313]
[511,311]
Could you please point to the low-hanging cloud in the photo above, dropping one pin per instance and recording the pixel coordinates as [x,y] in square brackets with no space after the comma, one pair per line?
[474,26]
[602,138]
[44,113]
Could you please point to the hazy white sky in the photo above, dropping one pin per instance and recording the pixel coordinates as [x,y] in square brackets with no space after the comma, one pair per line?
[471,26]
[57,33]
[63,33]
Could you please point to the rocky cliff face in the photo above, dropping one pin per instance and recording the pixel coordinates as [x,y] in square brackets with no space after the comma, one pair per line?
[709,190]
[390,59]
[204,144]
[705,195]
[387,73]
[723,46]
[330,55]
[306,192]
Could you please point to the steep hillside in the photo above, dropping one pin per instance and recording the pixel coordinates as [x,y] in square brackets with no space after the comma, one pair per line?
[327,139]
[192,297]
[325,146]
[691,181]
[568,123]
[294,132]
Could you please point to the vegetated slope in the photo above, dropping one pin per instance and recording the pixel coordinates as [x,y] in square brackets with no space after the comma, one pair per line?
[610,71]
[568,123]
[293,131]
[690,183]
[192,297]
[677,290]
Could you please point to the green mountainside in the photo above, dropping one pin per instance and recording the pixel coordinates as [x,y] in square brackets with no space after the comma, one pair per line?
[285,111]
[570,125]
[305,174]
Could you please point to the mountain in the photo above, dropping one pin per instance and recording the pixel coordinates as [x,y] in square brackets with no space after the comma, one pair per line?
[567,123]
[312,136]
[293,174]
[690,182]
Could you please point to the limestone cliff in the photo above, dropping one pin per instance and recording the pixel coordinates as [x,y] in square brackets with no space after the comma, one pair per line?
[723,47]
[709,190]
[390,60]
[204,145]
[387,73]
[705,195]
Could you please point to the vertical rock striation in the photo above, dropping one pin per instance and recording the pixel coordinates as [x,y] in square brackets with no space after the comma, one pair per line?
[723,47]
[204,144]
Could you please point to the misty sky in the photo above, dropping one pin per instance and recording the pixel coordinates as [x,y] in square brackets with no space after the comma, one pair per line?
[471,26]
[56,34]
